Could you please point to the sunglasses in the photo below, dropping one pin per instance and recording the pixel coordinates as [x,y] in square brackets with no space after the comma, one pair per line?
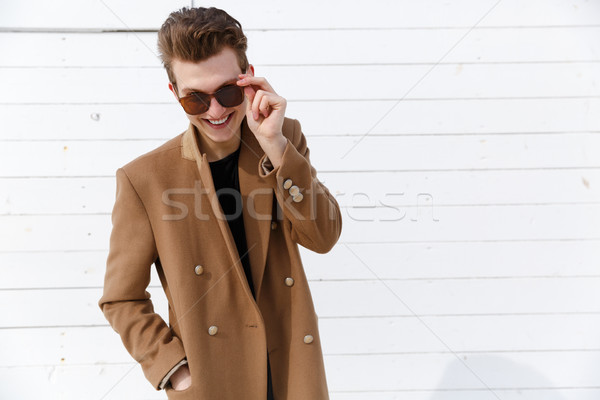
[198,103]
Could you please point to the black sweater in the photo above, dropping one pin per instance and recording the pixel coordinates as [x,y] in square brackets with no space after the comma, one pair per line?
[226,180]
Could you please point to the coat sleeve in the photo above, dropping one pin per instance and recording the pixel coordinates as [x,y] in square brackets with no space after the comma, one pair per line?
[313,213]
[125,301]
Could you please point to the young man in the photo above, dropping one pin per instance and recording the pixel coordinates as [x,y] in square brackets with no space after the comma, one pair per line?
[220,211]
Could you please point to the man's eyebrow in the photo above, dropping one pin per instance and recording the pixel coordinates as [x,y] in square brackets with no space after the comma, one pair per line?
[229,82]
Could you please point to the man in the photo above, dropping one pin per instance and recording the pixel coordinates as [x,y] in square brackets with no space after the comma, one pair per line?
[220,211]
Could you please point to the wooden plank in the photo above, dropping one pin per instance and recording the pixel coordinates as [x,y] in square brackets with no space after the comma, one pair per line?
[61,196]
[93,195]
[478,372]
[459,334]
[53,49]
[360,225]
[91,14]
[396,261]
[376,82]
[465,260]
[127,49]
[434,373]
[57,382]
[404,14]
[52,270]
[349,154]
[572,393]
[264,14]
[460,297]
[426,117]
[68,346]
[46,308]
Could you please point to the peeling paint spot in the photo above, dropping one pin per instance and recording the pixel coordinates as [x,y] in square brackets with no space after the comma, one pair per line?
[65,148]
[459,69]
[586,183]
[52,375]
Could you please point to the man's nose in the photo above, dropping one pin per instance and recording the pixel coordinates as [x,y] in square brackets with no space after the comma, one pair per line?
[215,109]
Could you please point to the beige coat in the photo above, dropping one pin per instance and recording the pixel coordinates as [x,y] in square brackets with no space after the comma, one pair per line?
[166,212]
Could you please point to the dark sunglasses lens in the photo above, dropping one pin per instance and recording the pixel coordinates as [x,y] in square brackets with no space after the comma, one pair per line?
[195,103]
[230,96]
[199,103]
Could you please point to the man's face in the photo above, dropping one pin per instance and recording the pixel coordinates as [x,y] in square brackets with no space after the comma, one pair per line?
[208,76]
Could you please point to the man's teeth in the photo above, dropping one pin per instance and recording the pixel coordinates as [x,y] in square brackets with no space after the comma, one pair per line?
[218,121]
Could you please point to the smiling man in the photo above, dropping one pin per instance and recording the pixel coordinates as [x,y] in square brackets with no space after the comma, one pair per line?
[220,211]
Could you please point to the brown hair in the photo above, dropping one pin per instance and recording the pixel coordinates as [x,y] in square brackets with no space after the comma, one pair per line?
[195,34]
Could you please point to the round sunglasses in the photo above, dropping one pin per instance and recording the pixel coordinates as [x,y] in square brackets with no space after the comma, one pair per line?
[198,103]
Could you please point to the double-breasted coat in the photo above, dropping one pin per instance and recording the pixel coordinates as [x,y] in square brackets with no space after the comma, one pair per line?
[167,213]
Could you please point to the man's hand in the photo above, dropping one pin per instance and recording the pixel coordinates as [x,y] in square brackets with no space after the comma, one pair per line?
[181,379]
[265,112]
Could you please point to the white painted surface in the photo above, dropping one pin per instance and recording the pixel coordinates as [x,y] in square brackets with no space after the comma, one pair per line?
[468,266]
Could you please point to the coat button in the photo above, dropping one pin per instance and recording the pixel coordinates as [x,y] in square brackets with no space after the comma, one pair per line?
[273,225]
[298,198]
[289,282]
[308,339]
[294,190]
[287,184]
[199,270]
[212,331]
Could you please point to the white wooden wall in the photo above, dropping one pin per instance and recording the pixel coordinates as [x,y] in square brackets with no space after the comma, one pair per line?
[462,140]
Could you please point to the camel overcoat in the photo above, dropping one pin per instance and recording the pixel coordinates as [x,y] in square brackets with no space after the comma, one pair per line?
[167,213]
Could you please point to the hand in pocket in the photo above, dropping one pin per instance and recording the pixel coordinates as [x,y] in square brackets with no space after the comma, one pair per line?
[181,379]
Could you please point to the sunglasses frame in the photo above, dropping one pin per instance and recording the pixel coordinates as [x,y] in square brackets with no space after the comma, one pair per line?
[183,100]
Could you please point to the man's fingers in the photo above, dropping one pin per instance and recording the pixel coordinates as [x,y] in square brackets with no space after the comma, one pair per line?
[261,96]
[259,81]
[250,93]
[258,98]
[264,106]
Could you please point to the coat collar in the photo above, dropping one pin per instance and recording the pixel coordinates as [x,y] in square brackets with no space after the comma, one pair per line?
[257,198]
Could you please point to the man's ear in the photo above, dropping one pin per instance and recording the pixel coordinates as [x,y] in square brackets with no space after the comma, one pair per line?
[173,90]
[250,69]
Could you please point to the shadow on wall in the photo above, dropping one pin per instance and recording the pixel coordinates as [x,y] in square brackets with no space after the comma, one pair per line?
[495,373]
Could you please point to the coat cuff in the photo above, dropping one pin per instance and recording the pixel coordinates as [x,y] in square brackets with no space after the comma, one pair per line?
[292,178]
[165,380]
[266,165]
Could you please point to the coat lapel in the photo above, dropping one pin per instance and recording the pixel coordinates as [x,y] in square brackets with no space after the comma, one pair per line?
[257,198]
